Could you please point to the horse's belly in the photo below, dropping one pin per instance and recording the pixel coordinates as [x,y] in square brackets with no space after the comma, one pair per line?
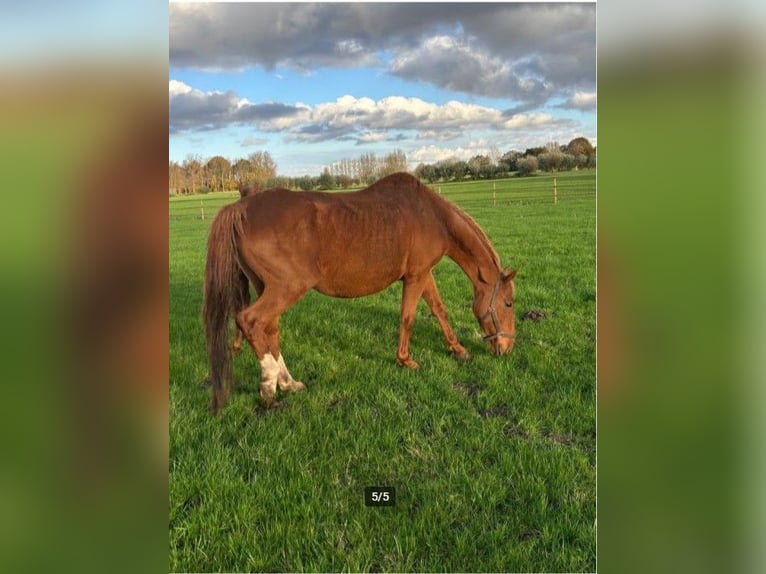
[349,285]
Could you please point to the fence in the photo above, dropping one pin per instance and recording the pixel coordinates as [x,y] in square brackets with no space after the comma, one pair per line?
[514,191]
[547,189]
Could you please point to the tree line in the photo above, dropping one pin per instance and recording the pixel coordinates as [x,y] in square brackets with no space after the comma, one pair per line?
[259,171]
[577,154]
[195,175]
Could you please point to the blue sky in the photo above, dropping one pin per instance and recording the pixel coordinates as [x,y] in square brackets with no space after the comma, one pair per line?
[317,83]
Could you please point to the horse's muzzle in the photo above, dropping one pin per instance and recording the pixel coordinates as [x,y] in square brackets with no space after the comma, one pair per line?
[502,344]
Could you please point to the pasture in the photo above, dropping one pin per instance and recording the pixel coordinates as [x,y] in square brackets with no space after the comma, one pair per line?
[493,461]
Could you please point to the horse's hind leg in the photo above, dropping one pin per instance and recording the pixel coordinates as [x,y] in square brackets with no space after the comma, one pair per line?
[260,325]
[285,380]
[435,303]
[244,294]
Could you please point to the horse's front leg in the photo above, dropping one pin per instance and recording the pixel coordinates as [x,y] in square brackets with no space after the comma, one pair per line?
[411,292]
[435,303]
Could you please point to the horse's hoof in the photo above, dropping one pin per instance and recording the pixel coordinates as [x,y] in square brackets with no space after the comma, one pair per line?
[409,364]
[268,396]
[463,357]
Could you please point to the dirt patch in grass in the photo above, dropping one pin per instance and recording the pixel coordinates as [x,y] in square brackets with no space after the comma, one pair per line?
[514,431]
[469,389]
[534,315]
[494,412]
[529,535]
[560,439]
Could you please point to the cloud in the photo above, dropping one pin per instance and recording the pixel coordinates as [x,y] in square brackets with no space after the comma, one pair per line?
[363,120]
[432,153]
[194,110]
[251,141]
[461,66]
[370,119]
[584,101]
[526,52]
[373,137]
[238,35]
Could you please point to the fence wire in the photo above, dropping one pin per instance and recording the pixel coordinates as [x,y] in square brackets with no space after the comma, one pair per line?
[469,195]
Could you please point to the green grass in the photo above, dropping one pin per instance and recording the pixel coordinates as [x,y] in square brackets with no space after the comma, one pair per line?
[493,461]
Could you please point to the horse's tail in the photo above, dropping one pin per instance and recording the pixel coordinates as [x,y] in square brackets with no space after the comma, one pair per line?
[223,297]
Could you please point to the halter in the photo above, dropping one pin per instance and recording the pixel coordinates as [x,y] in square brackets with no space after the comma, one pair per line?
[491,312]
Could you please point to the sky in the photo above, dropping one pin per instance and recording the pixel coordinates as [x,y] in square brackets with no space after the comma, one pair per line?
[317,83]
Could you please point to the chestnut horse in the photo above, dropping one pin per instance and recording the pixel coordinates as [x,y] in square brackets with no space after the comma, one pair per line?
[354,244]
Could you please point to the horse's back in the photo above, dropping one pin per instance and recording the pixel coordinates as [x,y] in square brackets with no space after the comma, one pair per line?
[349,244]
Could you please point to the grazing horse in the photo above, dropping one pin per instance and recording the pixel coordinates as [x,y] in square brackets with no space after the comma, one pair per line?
[354,244]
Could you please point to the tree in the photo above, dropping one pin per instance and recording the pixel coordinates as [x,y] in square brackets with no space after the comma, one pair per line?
[326,180]
[262,167]
[240,171]
[192,167]
[509,159]
[368,168]
[527,165]
[568,162]
[426,172]
[535,151]
[481,167]
[177,178]
[394,162]
[218,172]
[306,183]
[345,181]
[580,146]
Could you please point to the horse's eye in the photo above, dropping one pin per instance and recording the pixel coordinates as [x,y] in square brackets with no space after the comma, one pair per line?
[509,303]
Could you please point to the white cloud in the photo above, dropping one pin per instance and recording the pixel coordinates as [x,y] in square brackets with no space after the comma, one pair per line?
[523,121]
[250,141]
[347,118]
[372,137]
[583,101]
[176,88]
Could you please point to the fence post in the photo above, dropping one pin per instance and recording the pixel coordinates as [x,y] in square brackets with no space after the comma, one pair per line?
[202,208]
[494,194]
[555,192]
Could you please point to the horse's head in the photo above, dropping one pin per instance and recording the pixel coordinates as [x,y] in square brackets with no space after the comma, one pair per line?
[494,310]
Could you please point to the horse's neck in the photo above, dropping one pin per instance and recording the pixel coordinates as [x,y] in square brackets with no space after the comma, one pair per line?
[472,251]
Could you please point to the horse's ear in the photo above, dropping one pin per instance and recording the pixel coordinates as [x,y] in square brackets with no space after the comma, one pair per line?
[509,273]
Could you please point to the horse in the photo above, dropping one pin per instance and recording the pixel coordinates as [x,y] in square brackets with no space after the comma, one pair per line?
[285,243]
[247,189]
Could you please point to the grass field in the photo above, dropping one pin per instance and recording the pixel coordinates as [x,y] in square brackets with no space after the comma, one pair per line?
[493,461]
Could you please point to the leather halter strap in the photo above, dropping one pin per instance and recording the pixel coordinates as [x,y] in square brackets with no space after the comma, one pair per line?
[493,314]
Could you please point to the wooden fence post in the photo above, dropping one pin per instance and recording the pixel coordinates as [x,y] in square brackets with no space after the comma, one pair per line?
[555,192]
[494,194]
[202,208]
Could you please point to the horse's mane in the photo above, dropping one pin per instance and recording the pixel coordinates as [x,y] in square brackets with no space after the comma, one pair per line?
[471,223]
[480,232]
